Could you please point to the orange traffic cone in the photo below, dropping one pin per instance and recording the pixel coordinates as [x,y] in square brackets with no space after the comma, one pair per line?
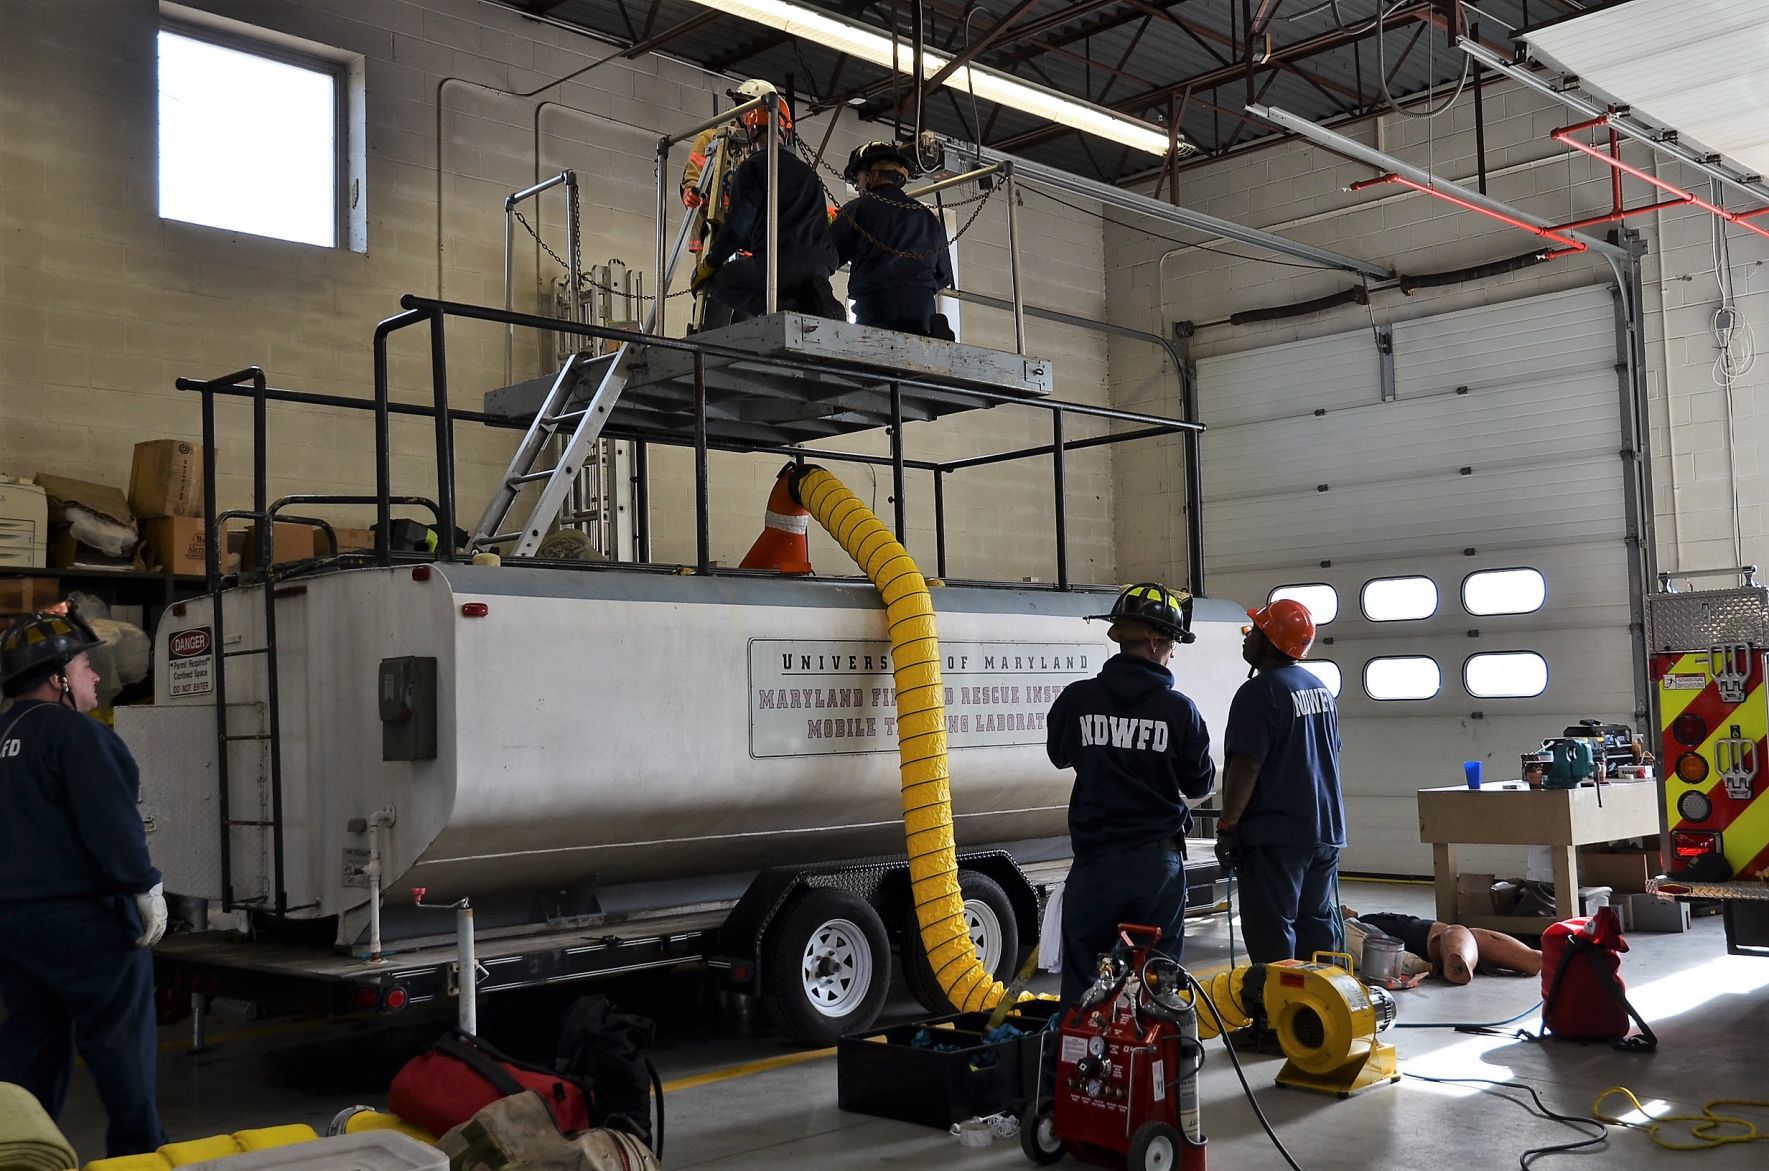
[781,547]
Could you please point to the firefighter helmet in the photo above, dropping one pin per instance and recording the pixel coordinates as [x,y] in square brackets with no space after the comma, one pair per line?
[873,153]
[755,121]
[1166,612]
[40,644]
[1286,624]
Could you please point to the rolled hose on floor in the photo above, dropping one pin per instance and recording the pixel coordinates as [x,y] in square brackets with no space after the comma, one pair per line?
[921,734]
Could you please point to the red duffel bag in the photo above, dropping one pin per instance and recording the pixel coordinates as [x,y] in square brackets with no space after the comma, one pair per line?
[460,1075]
[1583,997]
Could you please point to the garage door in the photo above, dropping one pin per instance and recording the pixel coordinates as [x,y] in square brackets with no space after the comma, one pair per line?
[1460,516]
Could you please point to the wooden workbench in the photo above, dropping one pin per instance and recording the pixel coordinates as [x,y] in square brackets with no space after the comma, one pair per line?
[1561,819]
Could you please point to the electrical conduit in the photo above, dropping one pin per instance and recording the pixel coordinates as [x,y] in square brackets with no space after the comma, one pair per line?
[921,734]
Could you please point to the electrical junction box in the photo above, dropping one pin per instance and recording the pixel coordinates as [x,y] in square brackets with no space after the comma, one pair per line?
[407,691]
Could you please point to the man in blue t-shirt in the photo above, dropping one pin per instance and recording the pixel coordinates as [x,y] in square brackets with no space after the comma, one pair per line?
[1283,818]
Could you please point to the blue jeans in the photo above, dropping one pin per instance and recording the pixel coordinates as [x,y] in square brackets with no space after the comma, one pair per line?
[1145,885]
[73,979]
[1287,909]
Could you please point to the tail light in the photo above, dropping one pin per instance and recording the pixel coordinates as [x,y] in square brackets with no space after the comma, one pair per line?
[1692,767]
[1698,855]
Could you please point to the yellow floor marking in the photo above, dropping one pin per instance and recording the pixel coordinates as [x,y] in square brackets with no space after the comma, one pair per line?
[736,1071]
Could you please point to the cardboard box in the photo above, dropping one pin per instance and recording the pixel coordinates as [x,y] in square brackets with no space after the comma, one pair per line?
[348,540]
[1626,873]
[100,498]
[166,479]
[22,595]
[1474,895]
[67,553]
[289,542]
[175,544]
[1651,913]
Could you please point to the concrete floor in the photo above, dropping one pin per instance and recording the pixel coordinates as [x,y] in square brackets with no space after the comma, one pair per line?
[738,1097]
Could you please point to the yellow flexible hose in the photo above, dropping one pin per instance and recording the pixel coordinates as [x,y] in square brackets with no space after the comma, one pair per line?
[1224,991]
[921,736]
[1700,1129]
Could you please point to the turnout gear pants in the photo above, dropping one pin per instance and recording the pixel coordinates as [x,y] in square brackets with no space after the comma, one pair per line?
[1287,907]
[738,291]
[73,980]
[905,310]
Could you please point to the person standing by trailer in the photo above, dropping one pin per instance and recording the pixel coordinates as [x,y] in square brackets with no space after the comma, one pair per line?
[895,247]
[1283,816]
[1139,750]
[733,270]
[80,901]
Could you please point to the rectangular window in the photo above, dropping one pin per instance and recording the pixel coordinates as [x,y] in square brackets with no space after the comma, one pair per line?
[1322,600]
[254,135]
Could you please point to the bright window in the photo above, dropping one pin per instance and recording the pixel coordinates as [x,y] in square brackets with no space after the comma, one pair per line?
[1322,600]
[1504,591]
[1402,677]
[1399,599]
[249,140]
[1327,671]
[1505,675]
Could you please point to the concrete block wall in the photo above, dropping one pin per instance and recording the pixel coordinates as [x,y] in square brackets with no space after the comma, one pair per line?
[103,304]
[1297,190]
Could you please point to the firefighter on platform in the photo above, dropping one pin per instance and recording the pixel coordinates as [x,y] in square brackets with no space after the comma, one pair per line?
[895,246]
[1139,750]
[1283,816]
[80,901]
[733,268]
[733,146]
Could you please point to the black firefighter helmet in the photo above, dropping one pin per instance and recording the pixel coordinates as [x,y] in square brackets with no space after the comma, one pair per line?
[871,153]
[38,645]
[1166,612]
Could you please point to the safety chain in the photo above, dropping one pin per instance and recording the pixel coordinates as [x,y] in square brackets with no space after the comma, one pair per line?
[585,277]
[928,254]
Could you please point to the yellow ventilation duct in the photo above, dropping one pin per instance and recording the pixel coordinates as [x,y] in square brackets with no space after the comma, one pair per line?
[921,735]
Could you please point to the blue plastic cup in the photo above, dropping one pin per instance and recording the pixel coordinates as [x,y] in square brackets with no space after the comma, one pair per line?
[1471,770]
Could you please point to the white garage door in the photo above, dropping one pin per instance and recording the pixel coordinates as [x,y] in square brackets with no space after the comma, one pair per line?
[1468,526]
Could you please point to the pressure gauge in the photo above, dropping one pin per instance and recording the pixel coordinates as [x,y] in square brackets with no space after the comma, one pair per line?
[1093,1087]
[1096,1046]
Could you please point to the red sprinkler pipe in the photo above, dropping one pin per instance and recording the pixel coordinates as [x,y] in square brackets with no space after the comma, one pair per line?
[1565,135]
[1567,243]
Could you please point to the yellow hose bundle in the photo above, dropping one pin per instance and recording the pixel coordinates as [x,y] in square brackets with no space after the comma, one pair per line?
[921,735]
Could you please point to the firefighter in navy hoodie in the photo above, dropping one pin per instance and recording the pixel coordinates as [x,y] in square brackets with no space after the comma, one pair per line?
[894,245]
[1283,815]
[80,901]
[1139,749]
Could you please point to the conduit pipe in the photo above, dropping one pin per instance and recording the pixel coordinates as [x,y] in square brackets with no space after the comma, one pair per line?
[1568,244]
[921,735]
[1565,135]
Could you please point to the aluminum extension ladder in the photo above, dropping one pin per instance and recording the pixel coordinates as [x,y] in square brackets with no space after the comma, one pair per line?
[585,417]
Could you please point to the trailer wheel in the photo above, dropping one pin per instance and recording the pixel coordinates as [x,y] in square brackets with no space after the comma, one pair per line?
[1154,1147]
[993,929]
[828,967]
[1038,1137]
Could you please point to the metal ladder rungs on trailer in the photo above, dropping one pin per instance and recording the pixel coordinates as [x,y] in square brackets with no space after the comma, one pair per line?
[608,374]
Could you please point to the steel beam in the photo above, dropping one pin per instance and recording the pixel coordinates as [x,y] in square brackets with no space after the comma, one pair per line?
[1358,152]
[968,54]
[1039,175]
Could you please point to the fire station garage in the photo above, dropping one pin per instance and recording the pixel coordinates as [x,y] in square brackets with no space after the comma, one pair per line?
[834,583]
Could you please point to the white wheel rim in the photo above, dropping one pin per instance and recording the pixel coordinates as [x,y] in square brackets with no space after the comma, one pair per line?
[836,968]
[1159,1155]
[985,932]
[1046,1134]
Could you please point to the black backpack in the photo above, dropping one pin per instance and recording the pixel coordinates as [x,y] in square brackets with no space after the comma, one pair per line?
[606,1047]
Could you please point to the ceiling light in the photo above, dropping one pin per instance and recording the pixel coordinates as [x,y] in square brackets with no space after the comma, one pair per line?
[988,84]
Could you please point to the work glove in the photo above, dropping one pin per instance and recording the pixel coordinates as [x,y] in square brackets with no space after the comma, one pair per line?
[692,198]
[151,906]
[703,272]
[1228,847]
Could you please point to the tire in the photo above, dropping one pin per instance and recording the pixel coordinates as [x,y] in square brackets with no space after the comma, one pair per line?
[1155,1146]
[990,917]
[1038,1137]
[827,968]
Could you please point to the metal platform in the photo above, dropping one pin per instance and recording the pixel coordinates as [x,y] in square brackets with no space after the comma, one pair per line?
[762,389]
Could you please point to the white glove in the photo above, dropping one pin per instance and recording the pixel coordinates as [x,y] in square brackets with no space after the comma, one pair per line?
[151,906]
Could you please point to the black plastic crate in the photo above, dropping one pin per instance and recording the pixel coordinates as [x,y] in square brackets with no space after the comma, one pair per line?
[882,1073]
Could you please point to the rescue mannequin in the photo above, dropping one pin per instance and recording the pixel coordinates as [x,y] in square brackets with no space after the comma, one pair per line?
[1139,749]
[80,901]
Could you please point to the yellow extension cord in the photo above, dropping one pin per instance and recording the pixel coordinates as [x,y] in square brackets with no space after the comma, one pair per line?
[921,736]
[1700,1125]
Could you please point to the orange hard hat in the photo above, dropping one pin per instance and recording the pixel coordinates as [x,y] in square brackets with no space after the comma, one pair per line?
[1287,625]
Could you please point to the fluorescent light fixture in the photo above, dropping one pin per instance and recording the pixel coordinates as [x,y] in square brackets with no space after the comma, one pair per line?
[988,84]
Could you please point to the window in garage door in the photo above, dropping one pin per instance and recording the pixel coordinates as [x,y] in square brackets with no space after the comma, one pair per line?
[1488,484]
